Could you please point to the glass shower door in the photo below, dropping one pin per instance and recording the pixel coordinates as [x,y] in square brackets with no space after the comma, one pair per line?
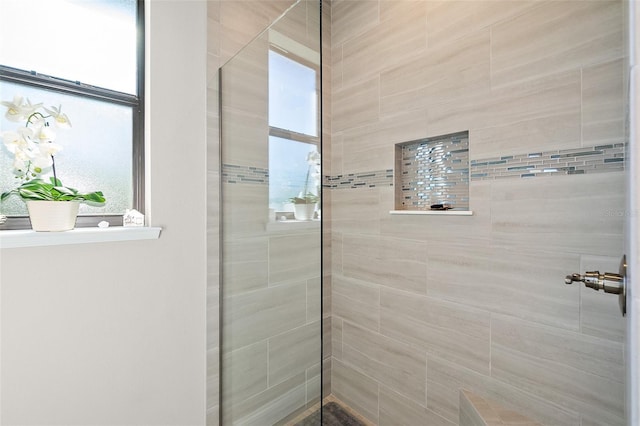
[270,252]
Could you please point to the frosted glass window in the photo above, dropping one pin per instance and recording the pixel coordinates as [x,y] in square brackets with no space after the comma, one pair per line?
[91,41]
[293,98]
[288,170]
[96,155]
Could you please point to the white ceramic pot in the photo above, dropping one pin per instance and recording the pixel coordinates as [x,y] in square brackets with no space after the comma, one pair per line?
[52,216]
[304,211]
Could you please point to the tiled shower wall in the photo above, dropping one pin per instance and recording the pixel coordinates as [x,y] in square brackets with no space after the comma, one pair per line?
[232,26]
[424,306]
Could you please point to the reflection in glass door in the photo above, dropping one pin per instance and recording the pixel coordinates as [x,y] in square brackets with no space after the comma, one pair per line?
[271,229]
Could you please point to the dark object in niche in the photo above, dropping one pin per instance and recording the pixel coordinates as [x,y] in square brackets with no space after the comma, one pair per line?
[440,207]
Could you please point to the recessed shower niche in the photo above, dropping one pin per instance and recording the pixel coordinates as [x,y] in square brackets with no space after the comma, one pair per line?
[432,175]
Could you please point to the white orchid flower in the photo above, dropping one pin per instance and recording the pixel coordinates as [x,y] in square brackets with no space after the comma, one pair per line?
[18,109]
[41,161]
[20,165]
[313,158]
[18,141]
[44,134]
[59,117]
[49,149]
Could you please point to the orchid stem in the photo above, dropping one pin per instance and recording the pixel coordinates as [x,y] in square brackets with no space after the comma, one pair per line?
[53,167]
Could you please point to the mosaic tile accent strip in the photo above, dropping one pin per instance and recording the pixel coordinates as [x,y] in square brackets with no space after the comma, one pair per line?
[596,159]
[434,171]
[232,173]
[359,180]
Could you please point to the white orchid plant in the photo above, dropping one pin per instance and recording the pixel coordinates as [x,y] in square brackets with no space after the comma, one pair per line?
[313,172]
[33,147]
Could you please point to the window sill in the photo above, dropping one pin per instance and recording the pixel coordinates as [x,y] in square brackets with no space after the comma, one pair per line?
[434,212]
[29,238]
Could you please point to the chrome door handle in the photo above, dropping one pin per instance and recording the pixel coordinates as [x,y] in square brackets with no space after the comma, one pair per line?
[610,282]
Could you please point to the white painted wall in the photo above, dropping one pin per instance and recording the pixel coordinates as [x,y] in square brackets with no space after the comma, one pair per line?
[114,333]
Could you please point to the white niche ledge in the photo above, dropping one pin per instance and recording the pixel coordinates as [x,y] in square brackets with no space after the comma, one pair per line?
[29,238]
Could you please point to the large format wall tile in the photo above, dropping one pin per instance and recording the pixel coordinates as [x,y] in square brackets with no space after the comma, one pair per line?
[556,36]
[396,410]
[603,104]
[350,18]
[451,20]
[254,316]
[521,283]
[355,105]
[451,331]
[245,265]
[393,40]
[294,257]
[355,389]
[371,147]
[391,262]
[392,363]
[433,76]
[294,352]
[575,214]
[245,372]
[444,381]
[356,301]
[593,396]
[268,406]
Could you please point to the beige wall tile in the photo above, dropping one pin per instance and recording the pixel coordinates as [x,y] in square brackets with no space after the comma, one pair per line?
[245,265]
[603,104]
[355,105]
[350,18]
[294,257]
[520,283]
[525,117]
[352,211]
[294,352]
[396,410]
[392,363]
[578,390]
[444,381]
[355,389]
[242,20]
[449,21]
[247,137]
[244,211]
[314,300]
[244,372]
[257,315]
[585,354]
[392,262]
[326,337]
[398,37]
[356,301]
[560,213]
[313,383]
[269,406]
[336,337]
[453,73]
[447,330]
[326,377]
[371,147]
[554,37]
